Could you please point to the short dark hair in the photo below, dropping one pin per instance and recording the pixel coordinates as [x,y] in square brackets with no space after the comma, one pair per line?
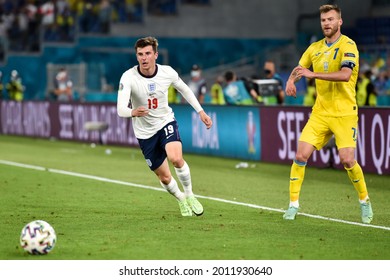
[328,8]
[229,75]
[146,41]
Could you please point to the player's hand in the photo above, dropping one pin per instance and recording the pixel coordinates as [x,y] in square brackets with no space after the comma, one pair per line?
[291,89]
[205,119]
[140,112]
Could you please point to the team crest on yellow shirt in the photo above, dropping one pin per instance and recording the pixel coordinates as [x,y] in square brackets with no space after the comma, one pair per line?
[326,66]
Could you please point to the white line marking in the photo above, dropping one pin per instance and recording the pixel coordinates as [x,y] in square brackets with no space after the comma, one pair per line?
[102,179]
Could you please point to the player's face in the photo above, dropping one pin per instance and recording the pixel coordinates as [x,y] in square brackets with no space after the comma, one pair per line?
[330,24]
[146,58]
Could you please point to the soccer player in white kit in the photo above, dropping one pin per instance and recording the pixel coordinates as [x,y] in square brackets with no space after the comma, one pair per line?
[143,96]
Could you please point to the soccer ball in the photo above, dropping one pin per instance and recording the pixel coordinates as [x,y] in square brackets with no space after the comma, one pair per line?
[38,237]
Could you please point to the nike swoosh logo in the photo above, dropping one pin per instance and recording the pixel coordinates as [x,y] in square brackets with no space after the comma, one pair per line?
[294,179]
[356,180]
[169,136]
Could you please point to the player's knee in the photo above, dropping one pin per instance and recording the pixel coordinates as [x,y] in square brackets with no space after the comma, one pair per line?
[165,178]
[177,161]
[348,161]
[301,157]
[347,158]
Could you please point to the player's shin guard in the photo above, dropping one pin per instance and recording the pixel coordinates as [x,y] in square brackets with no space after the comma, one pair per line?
[355,173]
[297,175]
[173,189]
[184,176]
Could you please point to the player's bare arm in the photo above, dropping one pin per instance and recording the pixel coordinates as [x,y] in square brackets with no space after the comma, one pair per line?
[205,119]
[295,75]
[340,76]
[291,89]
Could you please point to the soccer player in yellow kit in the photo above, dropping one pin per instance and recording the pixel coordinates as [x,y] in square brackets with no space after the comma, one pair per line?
[335,67]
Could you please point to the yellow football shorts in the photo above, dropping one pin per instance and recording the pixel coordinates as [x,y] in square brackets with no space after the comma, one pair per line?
[319,129]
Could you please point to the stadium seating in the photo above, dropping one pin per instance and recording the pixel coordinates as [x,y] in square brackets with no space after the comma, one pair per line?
[113,52]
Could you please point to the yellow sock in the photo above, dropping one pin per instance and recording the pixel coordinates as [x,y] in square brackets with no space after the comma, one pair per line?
[355,173]
[297,174]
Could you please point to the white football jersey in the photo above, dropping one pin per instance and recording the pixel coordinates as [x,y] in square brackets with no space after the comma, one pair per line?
[137,90]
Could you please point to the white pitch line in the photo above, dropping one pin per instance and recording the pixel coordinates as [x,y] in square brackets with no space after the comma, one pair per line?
[102,179]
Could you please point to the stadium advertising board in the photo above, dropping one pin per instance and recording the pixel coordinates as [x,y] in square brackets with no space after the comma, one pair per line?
[282,127]
[65,121]
[235,132]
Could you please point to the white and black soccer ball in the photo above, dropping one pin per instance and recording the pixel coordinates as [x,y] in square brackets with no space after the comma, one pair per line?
[38,237]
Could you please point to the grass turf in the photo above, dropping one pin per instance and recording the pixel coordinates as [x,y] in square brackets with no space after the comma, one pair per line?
[104,220]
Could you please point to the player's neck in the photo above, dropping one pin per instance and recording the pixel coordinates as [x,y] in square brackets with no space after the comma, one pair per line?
[148,72]
[334,38]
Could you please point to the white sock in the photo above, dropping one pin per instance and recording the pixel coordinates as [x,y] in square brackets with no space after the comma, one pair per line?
[184,176]
[173,189]
[294,204]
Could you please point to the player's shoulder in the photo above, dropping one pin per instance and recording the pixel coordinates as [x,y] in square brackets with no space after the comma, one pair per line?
[166,72]
[166,69]
[131,71]
[317,43]
[315,46]
[129,74]
[347,41]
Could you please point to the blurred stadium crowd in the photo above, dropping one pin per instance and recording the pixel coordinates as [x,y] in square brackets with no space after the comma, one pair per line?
[27,24]
[23,23]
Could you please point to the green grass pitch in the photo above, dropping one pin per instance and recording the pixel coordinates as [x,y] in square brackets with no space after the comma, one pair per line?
[111,219]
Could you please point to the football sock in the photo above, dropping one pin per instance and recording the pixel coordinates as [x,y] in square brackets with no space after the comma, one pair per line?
[184,176]
[294,204]
[173,189]
[297,175]
[355,173]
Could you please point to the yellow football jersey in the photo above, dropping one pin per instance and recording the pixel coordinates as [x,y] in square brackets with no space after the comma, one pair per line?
[334,98]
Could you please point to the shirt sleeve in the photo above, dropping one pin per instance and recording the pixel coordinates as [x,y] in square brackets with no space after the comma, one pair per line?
[124,93]
[305,60]
[350,55]
[187,93]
